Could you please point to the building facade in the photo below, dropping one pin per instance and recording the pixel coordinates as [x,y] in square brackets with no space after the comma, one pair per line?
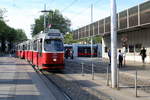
[133,32]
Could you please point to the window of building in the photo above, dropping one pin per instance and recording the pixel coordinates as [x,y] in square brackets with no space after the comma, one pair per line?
[131,48]
[138,47]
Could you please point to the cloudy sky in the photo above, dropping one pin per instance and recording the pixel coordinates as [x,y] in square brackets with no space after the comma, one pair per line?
[22,13]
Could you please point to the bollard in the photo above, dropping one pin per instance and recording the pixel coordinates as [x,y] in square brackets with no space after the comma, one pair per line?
[92,71]
[124,62]
[136,83]
[117,78]
[108,75]
[82,69]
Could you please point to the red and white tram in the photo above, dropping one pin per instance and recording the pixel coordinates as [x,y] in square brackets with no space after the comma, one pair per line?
[46,50]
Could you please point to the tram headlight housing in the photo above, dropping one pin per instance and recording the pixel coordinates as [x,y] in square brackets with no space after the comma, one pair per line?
[54,59]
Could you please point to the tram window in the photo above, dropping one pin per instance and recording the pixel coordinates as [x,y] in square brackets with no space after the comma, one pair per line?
[23,47]
[138,47]
[35,46]
[29,46]
[40,46]
[53,45]
[131,48]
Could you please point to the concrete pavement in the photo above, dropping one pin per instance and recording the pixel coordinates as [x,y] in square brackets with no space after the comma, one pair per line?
[18,81]
[125,92]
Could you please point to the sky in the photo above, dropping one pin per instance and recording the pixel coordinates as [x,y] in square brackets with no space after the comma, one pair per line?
[22,13]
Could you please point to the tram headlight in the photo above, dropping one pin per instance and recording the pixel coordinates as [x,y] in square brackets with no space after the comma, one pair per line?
[54,59]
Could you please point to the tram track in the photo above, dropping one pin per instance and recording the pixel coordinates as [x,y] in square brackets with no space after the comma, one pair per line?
[64,95]
[75,68]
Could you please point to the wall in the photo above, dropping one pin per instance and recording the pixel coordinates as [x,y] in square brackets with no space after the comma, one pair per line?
[136,39]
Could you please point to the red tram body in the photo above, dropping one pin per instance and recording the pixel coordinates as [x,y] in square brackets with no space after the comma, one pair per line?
[46,50]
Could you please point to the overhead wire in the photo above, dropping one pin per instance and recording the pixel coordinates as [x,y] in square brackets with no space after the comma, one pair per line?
[70,5]
[84,11]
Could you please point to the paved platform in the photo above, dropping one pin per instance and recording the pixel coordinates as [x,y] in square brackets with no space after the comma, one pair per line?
[19,81]
[124,92]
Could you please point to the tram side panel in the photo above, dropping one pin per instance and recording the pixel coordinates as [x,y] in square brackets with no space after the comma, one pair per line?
[35,58]
[30,55]
[26,52]
[22,54]
[51,61]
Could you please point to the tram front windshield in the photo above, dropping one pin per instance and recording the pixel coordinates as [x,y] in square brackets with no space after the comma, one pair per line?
[53,45]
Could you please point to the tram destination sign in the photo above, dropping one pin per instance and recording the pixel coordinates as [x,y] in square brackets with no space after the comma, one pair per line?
[53,34]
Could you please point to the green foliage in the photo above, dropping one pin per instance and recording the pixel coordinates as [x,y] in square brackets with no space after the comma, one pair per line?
[68,39]
[21,36]
[96,39]
[10,35]
[56,19]
[2,12]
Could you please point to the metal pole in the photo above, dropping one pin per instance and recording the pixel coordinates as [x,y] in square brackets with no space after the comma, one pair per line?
[92,71]
[92,43]
[91,36]
[117,77]
[108,75]
[82,69]
[136,83]
[91,13]
[113,44]
[44,17]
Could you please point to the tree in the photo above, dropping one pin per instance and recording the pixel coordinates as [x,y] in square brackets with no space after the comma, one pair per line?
[2,12]
[9,34]
[20,35]
[56,19]
[68,38]
[97,39]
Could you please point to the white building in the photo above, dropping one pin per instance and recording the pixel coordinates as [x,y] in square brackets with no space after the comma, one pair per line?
[133,32]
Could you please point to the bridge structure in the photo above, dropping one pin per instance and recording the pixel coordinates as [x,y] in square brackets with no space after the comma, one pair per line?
[133,31]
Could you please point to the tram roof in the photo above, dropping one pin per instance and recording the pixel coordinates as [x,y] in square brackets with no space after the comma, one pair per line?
[51,33]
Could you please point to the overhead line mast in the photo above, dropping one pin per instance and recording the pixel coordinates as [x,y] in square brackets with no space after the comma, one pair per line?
[113,44]
[45,12]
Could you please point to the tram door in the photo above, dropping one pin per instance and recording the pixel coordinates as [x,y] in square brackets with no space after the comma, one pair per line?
[35,53]
[40,52]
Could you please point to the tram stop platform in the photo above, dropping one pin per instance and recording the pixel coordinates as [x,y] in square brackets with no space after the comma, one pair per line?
[19,81]
[126,90]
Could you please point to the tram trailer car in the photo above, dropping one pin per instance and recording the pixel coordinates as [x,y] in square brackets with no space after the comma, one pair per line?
[84,50]
[48,50]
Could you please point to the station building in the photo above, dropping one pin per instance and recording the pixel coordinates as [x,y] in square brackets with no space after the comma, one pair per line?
[133,32]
